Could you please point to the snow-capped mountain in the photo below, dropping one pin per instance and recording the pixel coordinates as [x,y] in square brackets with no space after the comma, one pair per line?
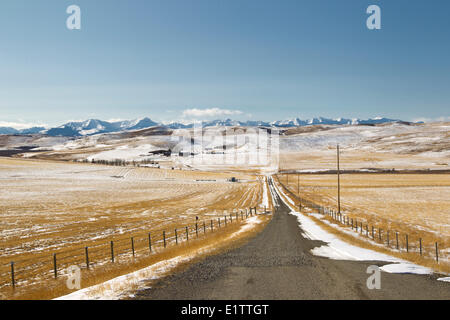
[84,128]
[326,121]
[95,126]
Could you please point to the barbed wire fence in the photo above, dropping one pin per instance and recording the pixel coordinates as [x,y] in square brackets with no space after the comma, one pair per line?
[391,239]
[24,272]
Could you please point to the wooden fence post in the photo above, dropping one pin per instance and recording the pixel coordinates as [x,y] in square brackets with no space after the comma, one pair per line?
[196,229]
[373,233]
[176,237]
[231,218]
[407,245]
[420,246]
[187,233]
[225,221]
[387,237]
[55,268]
[437,252]
[204,227]
[164,238]
[396,239]
[212,226]
[13,280]
[218,220]
[132,245]
[112,251]
[150,241]
[86,250]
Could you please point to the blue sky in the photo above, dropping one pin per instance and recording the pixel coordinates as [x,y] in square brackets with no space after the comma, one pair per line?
[259,59]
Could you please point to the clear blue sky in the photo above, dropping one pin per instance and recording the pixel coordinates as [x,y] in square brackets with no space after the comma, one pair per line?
[268,59]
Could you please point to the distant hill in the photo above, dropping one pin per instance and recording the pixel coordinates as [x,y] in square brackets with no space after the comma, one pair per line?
[95,126]
[8,130]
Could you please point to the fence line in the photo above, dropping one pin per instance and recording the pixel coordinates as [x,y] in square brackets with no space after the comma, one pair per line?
[341,218]
[109,252]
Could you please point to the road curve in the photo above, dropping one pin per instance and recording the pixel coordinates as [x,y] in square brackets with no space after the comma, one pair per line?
[277,265]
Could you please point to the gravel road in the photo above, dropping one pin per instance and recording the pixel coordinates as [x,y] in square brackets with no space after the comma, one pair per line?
[277,264]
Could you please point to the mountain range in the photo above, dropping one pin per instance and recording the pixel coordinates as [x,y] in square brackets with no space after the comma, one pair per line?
[94,126]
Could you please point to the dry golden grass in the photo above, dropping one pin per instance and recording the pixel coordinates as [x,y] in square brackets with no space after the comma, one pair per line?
[54,207]
[358,159]
[416,205]
[215,242]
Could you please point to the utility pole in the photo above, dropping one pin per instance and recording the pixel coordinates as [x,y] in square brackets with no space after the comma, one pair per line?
[339,181]
[298,184]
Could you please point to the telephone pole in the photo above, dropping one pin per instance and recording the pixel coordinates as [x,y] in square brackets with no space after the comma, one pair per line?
[339,181]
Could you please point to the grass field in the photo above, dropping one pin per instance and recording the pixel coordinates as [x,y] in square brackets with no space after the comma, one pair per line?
[53,207]
[414,204]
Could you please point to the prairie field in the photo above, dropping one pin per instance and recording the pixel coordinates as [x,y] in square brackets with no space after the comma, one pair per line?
[395,146]
[50,207]
[414,204]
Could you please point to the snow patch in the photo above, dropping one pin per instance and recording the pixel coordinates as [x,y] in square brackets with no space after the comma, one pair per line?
[340,250]
[405,268]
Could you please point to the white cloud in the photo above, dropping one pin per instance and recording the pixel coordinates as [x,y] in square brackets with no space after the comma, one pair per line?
[20,125]
[211,112]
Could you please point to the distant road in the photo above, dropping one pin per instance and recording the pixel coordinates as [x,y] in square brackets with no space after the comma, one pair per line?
[277,264]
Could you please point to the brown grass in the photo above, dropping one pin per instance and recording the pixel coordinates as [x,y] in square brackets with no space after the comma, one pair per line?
[218,241]
[55,207]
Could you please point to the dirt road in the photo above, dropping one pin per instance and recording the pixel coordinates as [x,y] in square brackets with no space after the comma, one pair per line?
[277,264]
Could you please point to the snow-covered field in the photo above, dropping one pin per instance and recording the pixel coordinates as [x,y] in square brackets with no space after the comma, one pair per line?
[387,146]
[51,207]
